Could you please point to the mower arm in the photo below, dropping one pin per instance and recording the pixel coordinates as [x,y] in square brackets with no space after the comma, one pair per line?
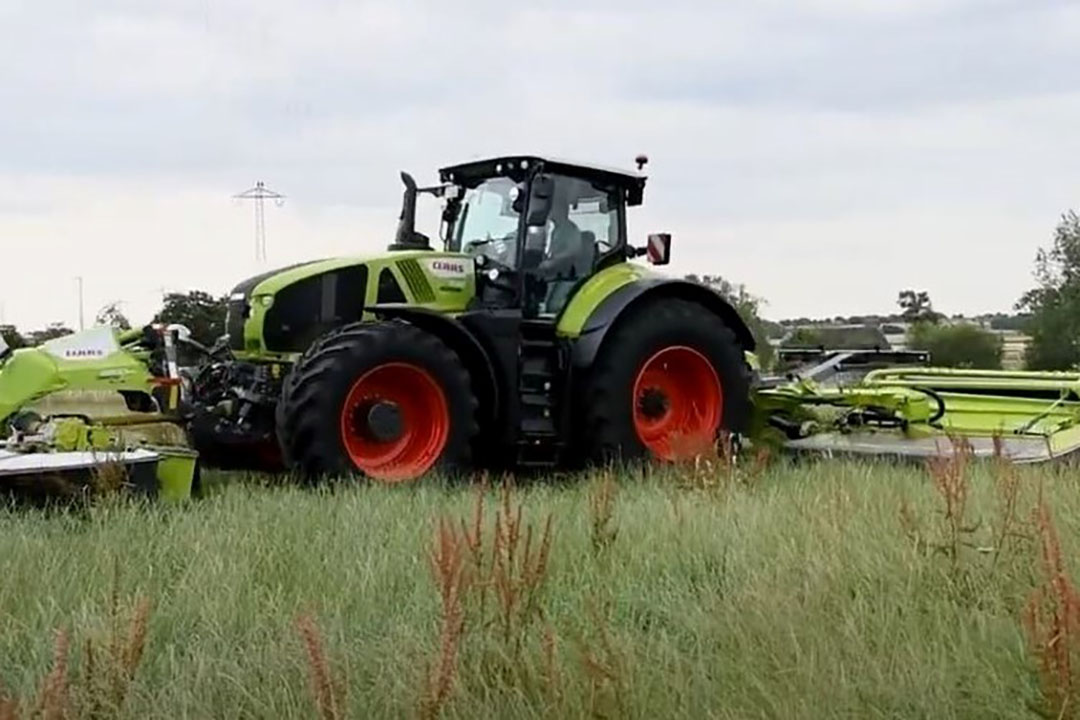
[92,360]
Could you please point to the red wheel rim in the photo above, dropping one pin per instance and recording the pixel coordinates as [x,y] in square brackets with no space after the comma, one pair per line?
[678,403]
[425,420]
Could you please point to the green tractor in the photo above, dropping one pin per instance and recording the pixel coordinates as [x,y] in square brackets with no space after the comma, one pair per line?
[529,339]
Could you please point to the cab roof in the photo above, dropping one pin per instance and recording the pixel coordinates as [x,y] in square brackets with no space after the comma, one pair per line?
[517,166]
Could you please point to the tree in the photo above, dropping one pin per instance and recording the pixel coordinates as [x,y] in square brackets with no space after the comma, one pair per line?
[53,331]
[200,312]
[958,346]
[917,307]
[12,337]
[804,337]
[112,316]
[849,337]
[748,306]
[1019,323]
[1054,305]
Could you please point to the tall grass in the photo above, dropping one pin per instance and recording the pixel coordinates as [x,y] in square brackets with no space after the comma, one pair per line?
[812,590]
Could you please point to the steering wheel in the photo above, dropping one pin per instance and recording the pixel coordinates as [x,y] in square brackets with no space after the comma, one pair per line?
[499,248]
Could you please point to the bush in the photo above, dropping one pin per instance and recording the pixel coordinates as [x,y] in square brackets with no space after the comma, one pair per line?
[958,346]
[863,337]
[12,337]
[1019,323]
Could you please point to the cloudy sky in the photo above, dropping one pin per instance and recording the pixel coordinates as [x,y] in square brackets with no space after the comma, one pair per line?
[827,153]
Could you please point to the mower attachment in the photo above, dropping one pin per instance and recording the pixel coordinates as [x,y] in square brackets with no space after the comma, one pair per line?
[916,412]
[74,457]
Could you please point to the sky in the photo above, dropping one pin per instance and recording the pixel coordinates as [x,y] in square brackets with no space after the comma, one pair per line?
[825,153]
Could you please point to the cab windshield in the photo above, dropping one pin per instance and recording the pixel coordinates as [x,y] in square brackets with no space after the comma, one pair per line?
[488,223]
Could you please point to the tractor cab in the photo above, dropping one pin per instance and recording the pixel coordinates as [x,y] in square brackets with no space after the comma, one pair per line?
[537,227]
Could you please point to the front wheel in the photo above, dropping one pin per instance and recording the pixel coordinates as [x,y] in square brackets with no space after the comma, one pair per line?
[386,400]
[668,379]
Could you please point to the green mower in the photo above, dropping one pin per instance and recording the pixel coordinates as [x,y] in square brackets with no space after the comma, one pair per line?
[531,338]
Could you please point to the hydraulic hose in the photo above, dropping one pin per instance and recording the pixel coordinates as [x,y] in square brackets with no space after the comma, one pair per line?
[940,412]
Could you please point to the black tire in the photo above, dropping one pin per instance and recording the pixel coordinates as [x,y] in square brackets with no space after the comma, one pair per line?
[609,396]
[314,394]
[288,384]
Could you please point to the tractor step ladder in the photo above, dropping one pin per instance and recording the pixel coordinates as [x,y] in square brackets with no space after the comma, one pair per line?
[540,442]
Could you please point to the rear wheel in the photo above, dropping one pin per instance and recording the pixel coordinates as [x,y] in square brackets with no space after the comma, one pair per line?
[668,379]
[386,400]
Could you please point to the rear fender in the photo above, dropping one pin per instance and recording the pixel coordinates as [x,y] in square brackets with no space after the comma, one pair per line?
[458,338]
[624,301]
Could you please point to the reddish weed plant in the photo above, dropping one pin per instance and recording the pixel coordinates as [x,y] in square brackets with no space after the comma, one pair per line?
[327,688]
[519,567]
[602,493]
[716,465]
[103,684]
[447,562]
[1009,529]
[53,697]
[605,671]
[949,472]
[549,667]
[469,565]
[110,662]
[1052,624]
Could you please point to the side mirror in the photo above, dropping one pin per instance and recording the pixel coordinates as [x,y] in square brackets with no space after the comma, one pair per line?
[543,189]
[659,249]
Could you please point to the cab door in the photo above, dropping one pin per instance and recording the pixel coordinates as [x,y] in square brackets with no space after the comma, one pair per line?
[582,229]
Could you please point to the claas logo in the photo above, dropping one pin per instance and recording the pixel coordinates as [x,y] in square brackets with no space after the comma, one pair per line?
[83,353]
[445,266]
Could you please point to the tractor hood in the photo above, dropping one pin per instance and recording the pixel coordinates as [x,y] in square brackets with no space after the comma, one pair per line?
[282,312]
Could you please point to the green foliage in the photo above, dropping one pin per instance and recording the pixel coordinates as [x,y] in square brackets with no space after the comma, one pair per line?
[917,307]
[834,338]
[749,308]
[1055,304]
[112,315]
[1019,322]
[200,312]
[53,331]
[958,346]
[12,337]
[804,337]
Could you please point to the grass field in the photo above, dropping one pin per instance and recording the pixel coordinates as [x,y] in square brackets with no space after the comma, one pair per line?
[822,590]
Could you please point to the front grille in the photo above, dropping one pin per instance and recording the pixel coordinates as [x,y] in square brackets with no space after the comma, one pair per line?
[307,308]
[234,322]
[418,284]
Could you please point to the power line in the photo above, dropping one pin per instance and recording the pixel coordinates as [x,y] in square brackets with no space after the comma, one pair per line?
[259,194]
